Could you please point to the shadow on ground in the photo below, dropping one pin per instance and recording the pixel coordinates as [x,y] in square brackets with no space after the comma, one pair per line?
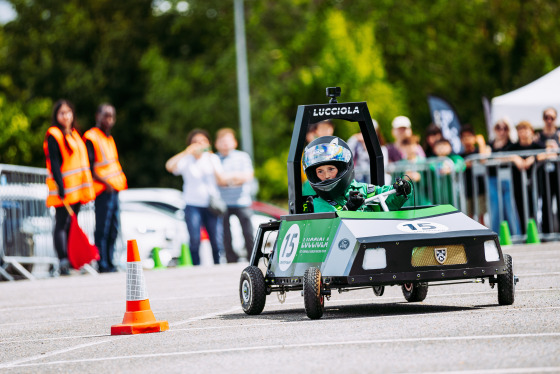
[354,311]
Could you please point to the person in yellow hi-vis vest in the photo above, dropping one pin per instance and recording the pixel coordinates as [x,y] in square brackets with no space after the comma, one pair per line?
[108,180]
[69,177]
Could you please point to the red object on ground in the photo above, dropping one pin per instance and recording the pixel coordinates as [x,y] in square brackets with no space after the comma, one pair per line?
[80,250]
[204,234]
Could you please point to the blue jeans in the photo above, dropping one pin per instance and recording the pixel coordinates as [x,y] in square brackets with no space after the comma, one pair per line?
[107,224]
[509,209]
[196,217]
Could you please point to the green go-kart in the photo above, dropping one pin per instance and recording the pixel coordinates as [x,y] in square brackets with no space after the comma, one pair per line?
[413,247]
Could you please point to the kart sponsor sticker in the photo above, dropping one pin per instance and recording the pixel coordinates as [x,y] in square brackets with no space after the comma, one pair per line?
[344,244]
[422,227]
[289,247]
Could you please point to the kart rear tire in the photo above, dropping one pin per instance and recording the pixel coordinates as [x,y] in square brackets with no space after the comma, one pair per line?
[506,283]
[313,299]
[378,290]
[252,290]
[414,292]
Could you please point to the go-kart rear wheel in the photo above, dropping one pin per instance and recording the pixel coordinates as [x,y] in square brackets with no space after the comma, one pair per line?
[252,290]
[415,291]
[313,299]
[378,290]
[506,283]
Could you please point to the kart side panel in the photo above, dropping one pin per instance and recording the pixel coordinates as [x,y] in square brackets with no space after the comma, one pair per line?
[337,244]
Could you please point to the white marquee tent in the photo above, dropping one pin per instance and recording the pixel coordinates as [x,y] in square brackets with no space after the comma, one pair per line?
[528,102]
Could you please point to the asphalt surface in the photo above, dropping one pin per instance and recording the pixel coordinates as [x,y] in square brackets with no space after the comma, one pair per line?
[62,325]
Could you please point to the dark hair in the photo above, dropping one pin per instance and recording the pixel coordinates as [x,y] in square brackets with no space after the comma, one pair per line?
[433,129]
[56,108]
[466,128]
[195,132]
[54,120]
[312,127]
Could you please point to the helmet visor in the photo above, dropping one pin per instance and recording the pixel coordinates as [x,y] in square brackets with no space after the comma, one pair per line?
[321,153]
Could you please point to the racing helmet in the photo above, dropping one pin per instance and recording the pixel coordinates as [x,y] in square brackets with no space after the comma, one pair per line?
[329,150]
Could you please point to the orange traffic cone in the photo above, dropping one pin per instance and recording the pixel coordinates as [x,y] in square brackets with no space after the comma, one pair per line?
[138,318]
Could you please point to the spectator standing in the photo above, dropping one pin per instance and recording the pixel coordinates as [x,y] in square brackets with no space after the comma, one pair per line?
[524,164]
[402,129]
[442,169]
[547,174]
[361,156]
[502,143]
[69,177]
[321,128]
[473,144]
[238,171]
[108,180]
[432,135]
[201,171]
[549,131]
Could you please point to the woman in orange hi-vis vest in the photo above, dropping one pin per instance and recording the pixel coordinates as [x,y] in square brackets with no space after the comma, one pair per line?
[108,180]
[69,176]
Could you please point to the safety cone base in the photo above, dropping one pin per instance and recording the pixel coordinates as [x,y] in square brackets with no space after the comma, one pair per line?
[139,328]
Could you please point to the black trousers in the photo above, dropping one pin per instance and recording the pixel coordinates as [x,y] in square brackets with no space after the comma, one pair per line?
[244,215]
[61,229]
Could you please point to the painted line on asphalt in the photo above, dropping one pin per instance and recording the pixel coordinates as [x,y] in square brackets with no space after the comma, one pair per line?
[112,339]
[22,363]
[205,316]
[326,320]
[546,369]
[74,305]
[538,274]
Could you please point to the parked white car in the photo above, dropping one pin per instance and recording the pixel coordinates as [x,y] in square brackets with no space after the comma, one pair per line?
[155,218]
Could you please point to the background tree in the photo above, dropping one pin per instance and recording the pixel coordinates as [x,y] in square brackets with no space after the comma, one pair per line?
[169,66]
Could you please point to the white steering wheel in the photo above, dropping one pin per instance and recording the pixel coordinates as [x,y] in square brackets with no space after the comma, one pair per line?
[380,199]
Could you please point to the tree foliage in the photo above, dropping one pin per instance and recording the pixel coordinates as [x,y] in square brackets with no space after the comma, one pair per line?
[170,66]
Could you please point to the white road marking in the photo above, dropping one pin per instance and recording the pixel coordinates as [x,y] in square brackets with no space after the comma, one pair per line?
[22,363]
[549,369]
[206,316]
[266,324]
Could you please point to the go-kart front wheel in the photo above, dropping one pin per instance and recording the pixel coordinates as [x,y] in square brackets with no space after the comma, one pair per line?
[313,299]
[506,283]
[415,291]
[252,290]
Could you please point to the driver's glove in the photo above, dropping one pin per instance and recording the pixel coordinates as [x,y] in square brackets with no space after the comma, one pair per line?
[355,200]
[402,187]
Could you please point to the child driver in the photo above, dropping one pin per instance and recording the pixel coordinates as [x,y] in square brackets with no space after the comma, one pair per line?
[329,167]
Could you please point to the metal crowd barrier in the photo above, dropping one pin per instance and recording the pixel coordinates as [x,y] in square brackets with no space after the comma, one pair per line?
[491,189]
[26,235]
[516,196]
[438,180]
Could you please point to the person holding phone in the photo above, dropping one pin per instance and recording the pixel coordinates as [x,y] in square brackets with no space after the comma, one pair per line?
[201,171]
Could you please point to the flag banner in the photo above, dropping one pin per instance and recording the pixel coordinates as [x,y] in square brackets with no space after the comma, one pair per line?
[80,250]
[444,116]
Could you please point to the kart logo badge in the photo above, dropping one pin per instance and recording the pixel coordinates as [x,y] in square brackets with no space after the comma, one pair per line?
[441,255]
[344,244]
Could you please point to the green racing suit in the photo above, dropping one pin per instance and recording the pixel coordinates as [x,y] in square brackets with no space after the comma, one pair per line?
[393,201]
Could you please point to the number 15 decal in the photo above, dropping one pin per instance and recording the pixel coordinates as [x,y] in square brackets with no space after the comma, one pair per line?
[422,227]
[289,247]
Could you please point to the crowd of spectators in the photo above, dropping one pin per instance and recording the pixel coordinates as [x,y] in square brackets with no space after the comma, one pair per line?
[524,162]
